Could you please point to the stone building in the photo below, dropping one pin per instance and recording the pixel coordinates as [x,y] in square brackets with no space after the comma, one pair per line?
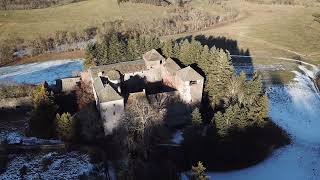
[67,84]
[112,84]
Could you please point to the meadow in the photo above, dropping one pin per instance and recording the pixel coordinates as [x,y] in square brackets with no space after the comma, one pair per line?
[29,24]
[271,30]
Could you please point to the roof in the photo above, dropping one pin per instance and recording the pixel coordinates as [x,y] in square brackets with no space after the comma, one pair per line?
[122,67]
[171,66]
[188,74]
[105,93]
[153,55]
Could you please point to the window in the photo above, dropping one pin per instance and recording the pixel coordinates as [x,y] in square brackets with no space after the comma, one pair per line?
[114,105]
[193,82]
[160,61]
[114,113]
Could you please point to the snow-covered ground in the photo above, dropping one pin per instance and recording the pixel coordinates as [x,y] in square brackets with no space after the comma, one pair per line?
[70,165]
[17,138]
[35,73]
[296,108]
[177,137]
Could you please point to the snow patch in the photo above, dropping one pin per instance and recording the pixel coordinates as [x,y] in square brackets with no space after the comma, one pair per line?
[16,138]
[177,137]
[13,138]
[49,166]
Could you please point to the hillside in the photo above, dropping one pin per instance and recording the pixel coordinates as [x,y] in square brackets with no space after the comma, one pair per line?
[266,28]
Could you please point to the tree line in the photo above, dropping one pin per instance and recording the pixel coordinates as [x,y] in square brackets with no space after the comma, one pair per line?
[115,47]
[62,41]
[180,20]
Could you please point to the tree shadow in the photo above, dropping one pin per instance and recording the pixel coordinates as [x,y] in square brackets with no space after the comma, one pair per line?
[240,148]
[241,58]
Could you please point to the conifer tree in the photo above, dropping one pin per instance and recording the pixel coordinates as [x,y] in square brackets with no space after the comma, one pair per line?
[133,48]
[219,74]
[89,56]
[42,115]
[196,117]
[198,172]
[64,126]
[102,53]
[167,48]
[116,49]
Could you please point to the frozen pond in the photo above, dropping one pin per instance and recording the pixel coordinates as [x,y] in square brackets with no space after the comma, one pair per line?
[35,73]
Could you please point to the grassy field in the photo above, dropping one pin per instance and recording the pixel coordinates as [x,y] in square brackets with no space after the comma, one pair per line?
[266,30]
[272,30]
[31,23]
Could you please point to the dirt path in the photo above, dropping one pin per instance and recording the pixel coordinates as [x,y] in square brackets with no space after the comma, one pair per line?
[278,58]
[276,46]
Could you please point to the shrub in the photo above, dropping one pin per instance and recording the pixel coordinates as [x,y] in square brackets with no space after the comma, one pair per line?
[15,91]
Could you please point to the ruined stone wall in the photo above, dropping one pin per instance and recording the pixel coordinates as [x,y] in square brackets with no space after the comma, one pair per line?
[67,84]
[196,92]
[184,90]
[154,75]
[111,112]
[168,79]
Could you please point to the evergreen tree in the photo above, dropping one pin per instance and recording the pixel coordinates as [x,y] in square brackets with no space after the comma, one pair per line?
[102,53]
[116,49]
[64,126]
[42,115]
[167,48]
[205,58]
[196,117]
[90,54]
[133,48]
[219,73]
[190,52]
[198,172]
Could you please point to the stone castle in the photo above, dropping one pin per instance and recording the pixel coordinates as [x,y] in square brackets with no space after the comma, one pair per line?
[113,84]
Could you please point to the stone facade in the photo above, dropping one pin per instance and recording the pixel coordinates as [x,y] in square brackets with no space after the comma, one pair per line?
[67,84]
[112,84]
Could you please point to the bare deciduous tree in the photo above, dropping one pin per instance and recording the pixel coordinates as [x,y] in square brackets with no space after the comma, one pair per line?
[138,124]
